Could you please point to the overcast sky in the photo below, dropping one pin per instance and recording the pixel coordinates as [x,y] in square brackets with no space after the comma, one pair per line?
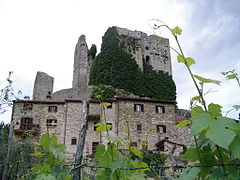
[40,35]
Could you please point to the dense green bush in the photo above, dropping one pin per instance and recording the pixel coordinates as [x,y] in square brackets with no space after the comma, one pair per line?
[114,66]
[105,92]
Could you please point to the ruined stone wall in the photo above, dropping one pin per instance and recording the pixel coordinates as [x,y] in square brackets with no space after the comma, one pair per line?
[81,65]
[43,86]
[151,49]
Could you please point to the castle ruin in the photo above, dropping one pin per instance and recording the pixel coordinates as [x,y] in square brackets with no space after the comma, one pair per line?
[60,112]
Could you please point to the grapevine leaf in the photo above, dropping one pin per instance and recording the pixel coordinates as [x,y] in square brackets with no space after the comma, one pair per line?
[106,104]
[235,147]
[205,80]
[189,61]
[176,31]
[196,98]
[114,165]
[100,127]
[191,155]
[189,173]
[196,111]
[236,107]
[215,110]
[232,76]
[183,124]
[136,176]
[200,122]
[38,154]
[180,59]
[136,151]
[219,134]
[45,177]
[44,141]
[100,152]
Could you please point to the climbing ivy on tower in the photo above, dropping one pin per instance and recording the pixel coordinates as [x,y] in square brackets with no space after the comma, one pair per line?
[116,67]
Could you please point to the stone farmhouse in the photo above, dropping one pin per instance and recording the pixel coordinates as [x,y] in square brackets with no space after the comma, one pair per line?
[60,113]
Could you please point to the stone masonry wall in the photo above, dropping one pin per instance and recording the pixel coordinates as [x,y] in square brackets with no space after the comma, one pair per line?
[151,49]
[43,86]
[148,119]
[40,114]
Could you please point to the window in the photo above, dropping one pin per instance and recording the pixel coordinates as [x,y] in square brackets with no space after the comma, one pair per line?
[26,123]
[160,146]
[133,144]
[139,127]
[27,106]
[147,59]
[110,125]
[138,107]
[160,109]
[95,127]
[94,147]
[161,129]
[52,108]
[49,95]
[52,122]
[147,48]
[74,141]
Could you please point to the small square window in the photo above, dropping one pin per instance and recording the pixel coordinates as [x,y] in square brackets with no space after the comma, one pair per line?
[51,122]
[160,109]
[94,147]
[74,141]
[147,48]
[52,108]
[161,129]
[27,106]
[133,144]
[138,107]
[139,127]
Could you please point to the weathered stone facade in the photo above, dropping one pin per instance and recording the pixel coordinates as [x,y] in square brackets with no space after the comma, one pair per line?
[60,113]
[151,49]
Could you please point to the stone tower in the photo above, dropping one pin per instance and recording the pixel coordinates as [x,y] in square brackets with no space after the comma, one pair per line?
[81,65]
[43,87]
[152,49]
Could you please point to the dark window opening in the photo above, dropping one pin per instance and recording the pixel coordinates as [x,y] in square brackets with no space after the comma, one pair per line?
[160,146]
[139,127]
[138,107]
[26,123]
[74,141]
[51,122]
[161,129]
[133,144]
[27,106]
[147,59]
[110,125]
[110,106]
[95,127]
[49,95]
[94,147]
[160,109]
[52,108]
[147,48]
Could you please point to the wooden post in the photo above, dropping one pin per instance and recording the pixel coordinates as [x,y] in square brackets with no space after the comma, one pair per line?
[81,141]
